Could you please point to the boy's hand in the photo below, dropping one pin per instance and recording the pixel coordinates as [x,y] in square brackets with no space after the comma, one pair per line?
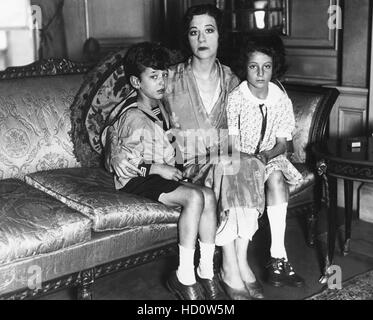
[166,171]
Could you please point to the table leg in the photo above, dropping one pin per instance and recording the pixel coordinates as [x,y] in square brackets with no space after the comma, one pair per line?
[348,191]
[332,225]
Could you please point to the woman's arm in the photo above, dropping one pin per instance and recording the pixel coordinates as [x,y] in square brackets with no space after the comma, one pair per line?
[120,146]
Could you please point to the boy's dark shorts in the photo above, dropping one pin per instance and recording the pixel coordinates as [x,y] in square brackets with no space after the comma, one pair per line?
[150,187]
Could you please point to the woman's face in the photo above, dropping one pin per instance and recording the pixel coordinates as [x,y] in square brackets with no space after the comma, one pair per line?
[203,36]
[259,71]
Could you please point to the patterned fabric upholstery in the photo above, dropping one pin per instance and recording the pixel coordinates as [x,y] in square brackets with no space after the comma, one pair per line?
[308,179]
[34,124]
[304,104]
[103,88]
[91,191]
[32,223]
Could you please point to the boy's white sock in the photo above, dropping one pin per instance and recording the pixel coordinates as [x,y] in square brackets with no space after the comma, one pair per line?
[185,271]
[205,269]
[277,221]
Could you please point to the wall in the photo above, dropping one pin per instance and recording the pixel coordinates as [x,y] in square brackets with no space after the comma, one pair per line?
[115,24]
[355,48]
[312,46]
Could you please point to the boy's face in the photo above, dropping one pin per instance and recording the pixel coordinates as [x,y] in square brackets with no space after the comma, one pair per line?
[152,83]
[259,71]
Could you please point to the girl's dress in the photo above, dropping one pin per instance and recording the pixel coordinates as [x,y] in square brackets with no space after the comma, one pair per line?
[249,115]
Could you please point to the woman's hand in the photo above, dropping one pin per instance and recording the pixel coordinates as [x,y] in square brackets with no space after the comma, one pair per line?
[166,171]
[123,168]
[117,161]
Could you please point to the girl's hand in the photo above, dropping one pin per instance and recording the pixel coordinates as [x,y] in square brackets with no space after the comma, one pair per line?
[262,156]
[166,171]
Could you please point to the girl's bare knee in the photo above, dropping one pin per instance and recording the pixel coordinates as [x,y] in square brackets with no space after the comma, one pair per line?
[276,180]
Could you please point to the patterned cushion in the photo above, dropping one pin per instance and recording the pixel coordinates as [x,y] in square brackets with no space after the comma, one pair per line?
[103,88]
[91,192]
[34,124]
[32,222]
[304,104]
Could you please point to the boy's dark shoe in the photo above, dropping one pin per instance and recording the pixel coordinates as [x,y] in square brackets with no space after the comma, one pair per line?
[281,273]
[182,291]
[212,288]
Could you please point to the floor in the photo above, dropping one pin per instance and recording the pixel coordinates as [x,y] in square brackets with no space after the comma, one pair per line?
[147,282]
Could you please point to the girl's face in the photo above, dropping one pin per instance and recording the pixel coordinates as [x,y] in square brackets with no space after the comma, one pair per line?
[203,36]
[259,72]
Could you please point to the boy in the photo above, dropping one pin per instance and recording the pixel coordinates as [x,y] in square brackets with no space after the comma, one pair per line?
[139,130]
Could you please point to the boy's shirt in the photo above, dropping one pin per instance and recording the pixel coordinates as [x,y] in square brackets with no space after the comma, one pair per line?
[140,136]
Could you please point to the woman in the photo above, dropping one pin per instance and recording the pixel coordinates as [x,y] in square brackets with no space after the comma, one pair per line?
[195,98]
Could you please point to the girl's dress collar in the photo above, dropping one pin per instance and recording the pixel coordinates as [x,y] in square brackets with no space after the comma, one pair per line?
[274,93]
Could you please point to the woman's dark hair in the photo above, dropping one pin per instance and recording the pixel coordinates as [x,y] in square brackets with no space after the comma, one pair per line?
[267,43]
[197,10]
[145,55]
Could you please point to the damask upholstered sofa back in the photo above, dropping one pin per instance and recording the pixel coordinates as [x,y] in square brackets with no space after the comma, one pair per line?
[35,124]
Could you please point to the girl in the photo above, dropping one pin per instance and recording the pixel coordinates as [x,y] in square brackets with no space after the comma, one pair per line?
[260,122]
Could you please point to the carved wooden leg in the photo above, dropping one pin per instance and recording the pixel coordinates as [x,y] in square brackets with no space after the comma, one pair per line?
[84,290]
[311,226]
[348,186]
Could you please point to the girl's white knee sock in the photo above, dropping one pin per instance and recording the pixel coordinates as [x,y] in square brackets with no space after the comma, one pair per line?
[277,221]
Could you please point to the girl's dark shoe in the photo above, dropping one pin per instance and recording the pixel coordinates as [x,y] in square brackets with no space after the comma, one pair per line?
[292,279]
[255,289]
[276,275]
[281,273]
[182,291]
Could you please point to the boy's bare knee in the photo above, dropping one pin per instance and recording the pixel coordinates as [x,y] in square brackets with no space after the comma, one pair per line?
[195,196]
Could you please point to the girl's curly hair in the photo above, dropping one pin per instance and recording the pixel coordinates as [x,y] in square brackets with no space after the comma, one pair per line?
[268,43]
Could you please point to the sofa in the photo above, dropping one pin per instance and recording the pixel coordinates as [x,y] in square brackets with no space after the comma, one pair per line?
[62,223]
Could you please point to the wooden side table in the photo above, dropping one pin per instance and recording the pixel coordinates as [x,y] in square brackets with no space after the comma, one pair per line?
[337,158]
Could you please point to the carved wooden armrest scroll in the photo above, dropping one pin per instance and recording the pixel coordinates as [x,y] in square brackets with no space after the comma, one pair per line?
[321,168]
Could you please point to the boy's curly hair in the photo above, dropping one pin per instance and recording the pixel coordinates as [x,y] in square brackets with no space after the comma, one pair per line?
[145,55]
[268,43]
